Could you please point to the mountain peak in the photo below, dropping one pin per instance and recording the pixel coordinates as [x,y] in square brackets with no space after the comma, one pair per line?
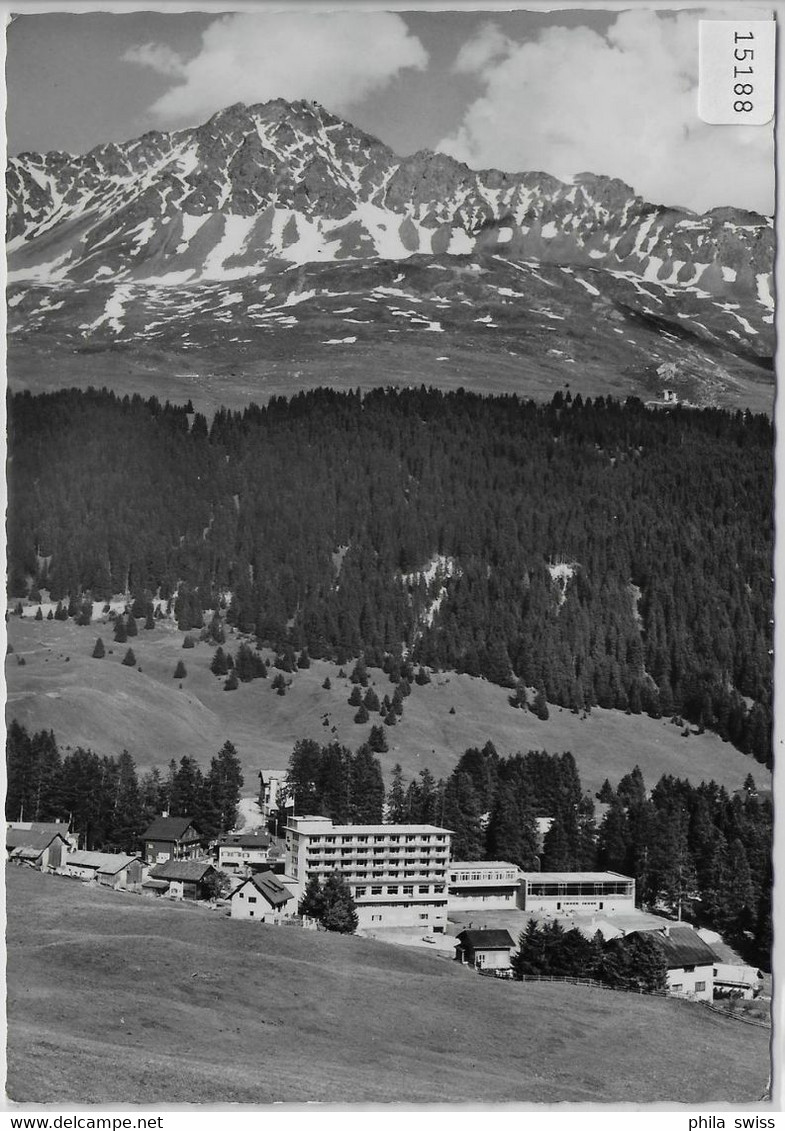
[282,181]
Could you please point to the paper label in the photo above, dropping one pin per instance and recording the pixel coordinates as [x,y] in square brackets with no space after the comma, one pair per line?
[736,75]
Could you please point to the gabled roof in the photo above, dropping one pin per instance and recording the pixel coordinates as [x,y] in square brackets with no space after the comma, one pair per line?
[243,840]
[191,871]
[682,947]
[270,886]
[487,940]
[15,829]
[37,839]
[101,861]
[169,828]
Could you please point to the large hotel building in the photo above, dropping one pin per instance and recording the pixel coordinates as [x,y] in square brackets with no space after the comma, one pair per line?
[398,874]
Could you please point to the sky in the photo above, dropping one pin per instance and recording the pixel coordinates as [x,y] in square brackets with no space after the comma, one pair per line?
[561,92]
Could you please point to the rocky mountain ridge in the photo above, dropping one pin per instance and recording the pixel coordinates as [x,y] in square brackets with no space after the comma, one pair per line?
[293,182]
[266,207]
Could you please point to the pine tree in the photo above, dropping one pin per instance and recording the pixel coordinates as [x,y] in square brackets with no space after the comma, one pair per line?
[99,651]
[120,634]
[131,627]
[362,715]
[462,815]
[129,659]
[530,956]
[371,700]
[338,909]
[218,664]
[367,788]
[39,614]
[396,798]
[377,740]
[556,849]
[231,683]
[180,671]
[540,706]
[221,793]
[519,696]
[127,819]
[311,904]
[186,789]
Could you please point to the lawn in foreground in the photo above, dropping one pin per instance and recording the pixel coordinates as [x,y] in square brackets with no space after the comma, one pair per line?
[115,998]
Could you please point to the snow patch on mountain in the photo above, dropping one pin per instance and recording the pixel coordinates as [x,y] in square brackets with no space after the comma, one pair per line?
[561,574]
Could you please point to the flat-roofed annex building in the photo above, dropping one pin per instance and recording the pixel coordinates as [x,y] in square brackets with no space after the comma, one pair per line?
[577,891]
[397,873]
[483,885]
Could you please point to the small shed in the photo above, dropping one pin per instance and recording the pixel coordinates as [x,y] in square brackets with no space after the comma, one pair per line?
[259,895]
[154,888]
[485,949]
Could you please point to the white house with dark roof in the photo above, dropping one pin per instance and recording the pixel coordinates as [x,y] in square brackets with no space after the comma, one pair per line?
[485,949]
[689,959]
[260,895]
[243,853]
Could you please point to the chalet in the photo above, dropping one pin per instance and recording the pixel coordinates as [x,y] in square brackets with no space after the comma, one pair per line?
[689,959]
[260,895]
[39,848]
[243,853]
[171,838]
[181,879]
[485,949]
[737,981]
[112,869]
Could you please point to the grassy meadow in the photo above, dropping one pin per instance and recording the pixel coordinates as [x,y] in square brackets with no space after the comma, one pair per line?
[106,706]
[114,998]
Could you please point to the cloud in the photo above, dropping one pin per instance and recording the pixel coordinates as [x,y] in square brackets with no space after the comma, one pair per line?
[337,59]
[490,43]
[623,104]
[158,57]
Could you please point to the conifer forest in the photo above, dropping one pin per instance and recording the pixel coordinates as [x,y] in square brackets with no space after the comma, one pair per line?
[579,552]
